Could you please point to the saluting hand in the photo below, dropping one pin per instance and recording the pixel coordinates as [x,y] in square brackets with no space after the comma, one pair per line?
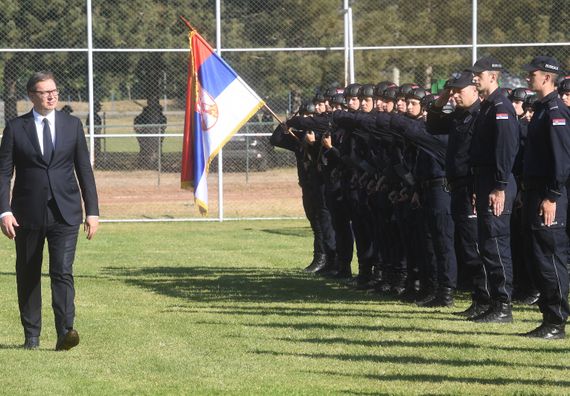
[548,211]
[327,142]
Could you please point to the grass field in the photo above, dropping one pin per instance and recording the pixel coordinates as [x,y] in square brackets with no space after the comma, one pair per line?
[223,308]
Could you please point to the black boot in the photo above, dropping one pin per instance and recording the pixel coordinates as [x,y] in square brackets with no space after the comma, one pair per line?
[329,267]
[411,293]
[343,271]
[443,298]
[425,295]
[475,309]
[548,331]
[499,312]
[319,260]
[364,278]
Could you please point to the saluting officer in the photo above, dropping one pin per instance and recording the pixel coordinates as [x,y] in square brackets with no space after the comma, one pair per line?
[494,146]
[546,170]
[460,125]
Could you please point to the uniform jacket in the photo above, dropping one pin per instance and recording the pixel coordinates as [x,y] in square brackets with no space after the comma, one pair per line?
[547,148]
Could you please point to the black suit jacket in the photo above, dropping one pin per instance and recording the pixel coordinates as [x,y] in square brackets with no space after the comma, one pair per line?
[20,151]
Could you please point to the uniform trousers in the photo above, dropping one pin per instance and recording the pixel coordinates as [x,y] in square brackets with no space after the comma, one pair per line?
[548,249]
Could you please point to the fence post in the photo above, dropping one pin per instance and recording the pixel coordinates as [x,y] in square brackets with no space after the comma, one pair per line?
[474,30]
[220,158]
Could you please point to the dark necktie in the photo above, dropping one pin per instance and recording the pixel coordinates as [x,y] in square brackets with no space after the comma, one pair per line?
[48,144]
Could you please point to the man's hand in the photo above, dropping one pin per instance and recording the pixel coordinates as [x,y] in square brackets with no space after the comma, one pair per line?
[548,212]
[415,201]
[310,137]
[443,98]
[9,225]
[497,202]
[90,226]
[327,142]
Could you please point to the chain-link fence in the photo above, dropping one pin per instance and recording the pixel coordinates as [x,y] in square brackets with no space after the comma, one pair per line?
[285,50]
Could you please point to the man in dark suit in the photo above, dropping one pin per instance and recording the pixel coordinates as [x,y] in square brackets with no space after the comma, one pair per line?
[48,151]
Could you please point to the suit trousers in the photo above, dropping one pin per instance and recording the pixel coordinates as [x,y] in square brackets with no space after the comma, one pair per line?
[62,240]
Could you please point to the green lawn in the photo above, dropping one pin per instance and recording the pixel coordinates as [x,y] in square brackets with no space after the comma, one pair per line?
[223,308]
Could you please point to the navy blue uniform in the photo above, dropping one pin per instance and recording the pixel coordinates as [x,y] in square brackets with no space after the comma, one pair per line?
[494,145]
[436,201]
[316,183]
[353,154]
[459,125]
[524,288]
[546,170]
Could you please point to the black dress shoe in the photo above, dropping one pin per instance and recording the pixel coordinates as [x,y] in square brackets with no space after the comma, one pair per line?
[498,313]
[547,331]
[31,343]
[67,341]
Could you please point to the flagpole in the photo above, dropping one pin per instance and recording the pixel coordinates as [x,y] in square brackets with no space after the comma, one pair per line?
[220,154]
[187,23]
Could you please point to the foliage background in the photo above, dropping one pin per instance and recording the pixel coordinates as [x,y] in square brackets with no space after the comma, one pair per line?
[140,51]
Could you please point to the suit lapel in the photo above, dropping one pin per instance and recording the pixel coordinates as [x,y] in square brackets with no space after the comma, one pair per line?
[30,129]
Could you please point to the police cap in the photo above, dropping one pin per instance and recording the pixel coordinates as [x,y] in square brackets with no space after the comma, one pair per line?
[485,64]
[460,80]
[544,63]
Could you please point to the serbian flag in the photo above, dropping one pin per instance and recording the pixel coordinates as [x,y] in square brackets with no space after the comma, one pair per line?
[218,104]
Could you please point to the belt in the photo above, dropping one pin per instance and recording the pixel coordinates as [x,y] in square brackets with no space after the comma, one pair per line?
[479,170]
[533,184]
[459,182]
[440,181]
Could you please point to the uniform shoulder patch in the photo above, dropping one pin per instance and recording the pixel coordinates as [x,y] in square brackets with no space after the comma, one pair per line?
[558,121]
[502,116]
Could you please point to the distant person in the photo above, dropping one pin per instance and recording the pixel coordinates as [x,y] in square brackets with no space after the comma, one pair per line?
[150,121]
[48,152]
[67,109]
[97,122]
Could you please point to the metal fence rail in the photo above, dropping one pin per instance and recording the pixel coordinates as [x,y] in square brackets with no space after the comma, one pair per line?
[123,73]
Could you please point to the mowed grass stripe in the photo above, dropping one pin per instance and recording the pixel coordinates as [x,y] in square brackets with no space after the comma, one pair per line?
[211,308]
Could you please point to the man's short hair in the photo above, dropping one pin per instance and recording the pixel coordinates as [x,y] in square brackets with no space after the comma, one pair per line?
[43,75]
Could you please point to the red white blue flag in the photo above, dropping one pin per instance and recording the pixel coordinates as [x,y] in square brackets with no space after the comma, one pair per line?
[218,104]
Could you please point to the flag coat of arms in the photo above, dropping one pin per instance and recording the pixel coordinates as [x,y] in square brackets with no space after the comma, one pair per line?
[218,104]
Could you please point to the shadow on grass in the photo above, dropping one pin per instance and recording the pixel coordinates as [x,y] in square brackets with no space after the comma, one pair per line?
[336,327]
[412,359]
[303,232]
[420,344]
[219,284]
[435,378]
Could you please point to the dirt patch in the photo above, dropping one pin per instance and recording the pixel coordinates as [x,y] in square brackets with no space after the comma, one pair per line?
[146,194]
